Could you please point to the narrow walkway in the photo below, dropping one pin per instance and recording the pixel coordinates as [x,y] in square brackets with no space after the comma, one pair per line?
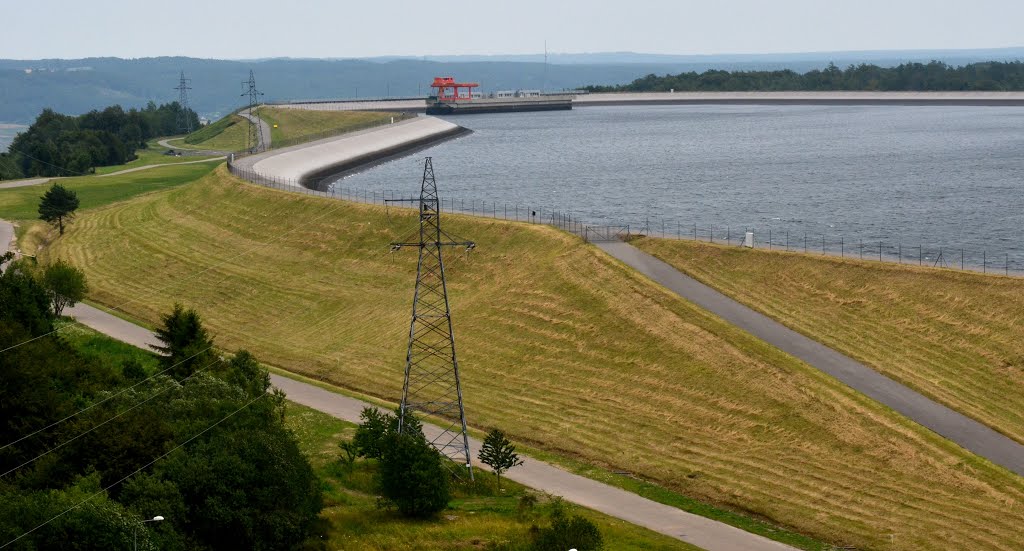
[23,183]
[948,423]
[147,167]
[263,138]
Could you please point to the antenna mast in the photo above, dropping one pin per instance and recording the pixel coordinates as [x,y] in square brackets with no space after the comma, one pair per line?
[254,141]
[184,122]
[432,386]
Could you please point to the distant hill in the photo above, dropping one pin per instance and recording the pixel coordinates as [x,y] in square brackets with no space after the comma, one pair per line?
[75,86]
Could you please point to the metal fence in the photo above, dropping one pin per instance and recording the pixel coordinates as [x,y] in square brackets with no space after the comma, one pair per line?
[896,251]
[768,238]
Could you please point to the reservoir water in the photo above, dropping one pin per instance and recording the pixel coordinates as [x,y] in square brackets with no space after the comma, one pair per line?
[950,177]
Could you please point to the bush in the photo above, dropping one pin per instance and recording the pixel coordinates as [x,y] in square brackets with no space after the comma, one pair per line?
[566,532]
[376,427]
[412,477]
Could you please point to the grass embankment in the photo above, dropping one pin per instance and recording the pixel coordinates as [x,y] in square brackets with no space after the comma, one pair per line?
[21,204]
[295,124]
[230,133]
[563,347]
[955,336]
[473,520]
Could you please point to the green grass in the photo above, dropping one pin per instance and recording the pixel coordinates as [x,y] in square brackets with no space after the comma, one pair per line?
[477,516]
[227,134]
[22,203]
[152,155]
[94,345]
[295,124]
[957,337]
[561,346]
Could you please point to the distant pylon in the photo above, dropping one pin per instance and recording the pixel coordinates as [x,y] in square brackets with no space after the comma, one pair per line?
[432,386]
[184,122]
[253,141]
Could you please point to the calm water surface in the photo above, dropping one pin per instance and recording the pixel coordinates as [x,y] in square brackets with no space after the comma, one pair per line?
[937,176]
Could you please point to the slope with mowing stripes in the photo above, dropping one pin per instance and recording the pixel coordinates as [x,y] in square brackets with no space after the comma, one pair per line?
[957,337]
[561,346]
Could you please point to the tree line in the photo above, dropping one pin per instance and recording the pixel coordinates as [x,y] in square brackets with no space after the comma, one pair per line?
[911,77]
[193,436]
[67,145]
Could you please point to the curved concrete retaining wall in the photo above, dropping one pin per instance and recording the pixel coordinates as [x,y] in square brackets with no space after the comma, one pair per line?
[304,165]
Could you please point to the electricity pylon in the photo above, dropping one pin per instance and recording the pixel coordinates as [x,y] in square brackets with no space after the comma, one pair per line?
[184,122]
[432,386]
[253,141]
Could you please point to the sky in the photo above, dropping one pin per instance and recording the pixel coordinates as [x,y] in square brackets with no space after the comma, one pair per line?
[233,29]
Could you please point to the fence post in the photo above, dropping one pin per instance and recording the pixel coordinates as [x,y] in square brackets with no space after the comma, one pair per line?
[769,239]
[1007,265]
[899,251]
[920,255]
[842,247]
[984,261]
[711,234]
[805,242]
[961,258]
[823,244]
[694,231]
[728,235]
[879,251]
[862,249]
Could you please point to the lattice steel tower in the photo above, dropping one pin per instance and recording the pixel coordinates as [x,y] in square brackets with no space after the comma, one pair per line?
[253,142]
[432,386]
[184,122]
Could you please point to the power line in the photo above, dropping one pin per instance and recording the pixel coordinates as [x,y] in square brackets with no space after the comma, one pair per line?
[94,427]
[108,398]
[137,471]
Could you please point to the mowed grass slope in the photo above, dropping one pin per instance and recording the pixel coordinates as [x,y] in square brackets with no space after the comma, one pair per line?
[227,134]
[560,345]
[955,336]
[294,124]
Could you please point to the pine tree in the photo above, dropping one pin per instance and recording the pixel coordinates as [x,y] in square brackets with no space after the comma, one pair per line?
[58,205]
[499,453]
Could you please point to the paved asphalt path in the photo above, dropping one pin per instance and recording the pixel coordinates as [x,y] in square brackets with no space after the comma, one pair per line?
[23,183]
[693,529]
[264,130]
[948,423]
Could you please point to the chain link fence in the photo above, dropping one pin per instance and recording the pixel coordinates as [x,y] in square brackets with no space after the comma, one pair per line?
[899,252]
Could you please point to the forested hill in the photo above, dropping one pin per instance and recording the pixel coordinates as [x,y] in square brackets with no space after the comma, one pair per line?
[76,86]
[917,77]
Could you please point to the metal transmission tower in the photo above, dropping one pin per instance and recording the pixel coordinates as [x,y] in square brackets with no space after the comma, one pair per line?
[254,141]
[184,122]
[432,385]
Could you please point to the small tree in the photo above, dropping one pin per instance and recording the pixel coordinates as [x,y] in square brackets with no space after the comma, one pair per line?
[499,453]
[186,344]
[65,284]
[58,205]
[412,477]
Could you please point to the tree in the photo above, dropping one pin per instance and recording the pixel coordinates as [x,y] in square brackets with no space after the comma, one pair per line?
[412,477]
[371,435]
[186,344]
[58,205]
[499,453]
[65,284]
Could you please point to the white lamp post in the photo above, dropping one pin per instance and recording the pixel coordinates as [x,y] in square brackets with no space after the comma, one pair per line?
[157,518]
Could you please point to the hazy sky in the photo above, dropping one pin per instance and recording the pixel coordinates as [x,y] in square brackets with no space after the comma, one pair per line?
[343,28]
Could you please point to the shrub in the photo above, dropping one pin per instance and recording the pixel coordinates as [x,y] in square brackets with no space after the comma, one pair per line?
[412,477]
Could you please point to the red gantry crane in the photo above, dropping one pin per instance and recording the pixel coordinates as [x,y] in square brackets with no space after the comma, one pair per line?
[449,90]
